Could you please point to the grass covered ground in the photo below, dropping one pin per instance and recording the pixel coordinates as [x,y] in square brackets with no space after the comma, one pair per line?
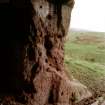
[85,58]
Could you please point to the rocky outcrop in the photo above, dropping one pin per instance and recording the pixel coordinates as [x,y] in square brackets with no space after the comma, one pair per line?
[80,91]
[39,76]
[99,101]
[44,54]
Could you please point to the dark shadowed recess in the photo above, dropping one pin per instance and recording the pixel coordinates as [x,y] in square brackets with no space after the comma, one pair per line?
[4,1]
[14,28]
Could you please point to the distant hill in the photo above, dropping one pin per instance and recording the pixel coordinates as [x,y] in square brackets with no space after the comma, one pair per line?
[81,30]
[76,30]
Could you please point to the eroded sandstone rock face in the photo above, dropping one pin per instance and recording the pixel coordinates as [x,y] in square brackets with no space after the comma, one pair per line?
[50,21]
[41,72]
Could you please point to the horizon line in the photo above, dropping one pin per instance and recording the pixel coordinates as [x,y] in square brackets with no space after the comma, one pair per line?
[84,30]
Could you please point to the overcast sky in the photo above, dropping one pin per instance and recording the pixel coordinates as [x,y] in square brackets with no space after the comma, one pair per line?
[89,15]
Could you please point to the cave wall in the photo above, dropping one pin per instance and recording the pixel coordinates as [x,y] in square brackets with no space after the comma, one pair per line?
[32,51]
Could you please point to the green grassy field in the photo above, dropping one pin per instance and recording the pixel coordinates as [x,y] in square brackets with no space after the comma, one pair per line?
[85,58]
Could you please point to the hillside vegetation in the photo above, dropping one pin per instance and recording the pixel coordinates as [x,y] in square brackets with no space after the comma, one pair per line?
[85,59]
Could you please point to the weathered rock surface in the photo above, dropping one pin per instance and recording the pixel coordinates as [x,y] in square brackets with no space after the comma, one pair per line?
[99,101]
[37,74]
[80,91]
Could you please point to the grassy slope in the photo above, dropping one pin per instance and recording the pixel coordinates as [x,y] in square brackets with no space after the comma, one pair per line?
[86,59]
